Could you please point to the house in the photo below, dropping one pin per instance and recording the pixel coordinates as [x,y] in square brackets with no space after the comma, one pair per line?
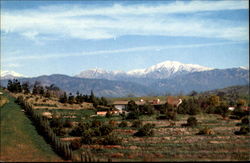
[120,105]
[174,101]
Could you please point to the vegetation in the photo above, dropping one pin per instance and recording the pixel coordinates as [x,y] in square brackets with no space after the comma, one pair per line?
[19,137]
[146,132]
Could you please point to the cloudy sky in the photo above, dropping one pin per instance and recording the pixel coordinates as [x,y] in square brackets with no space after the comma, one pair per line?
[48,37]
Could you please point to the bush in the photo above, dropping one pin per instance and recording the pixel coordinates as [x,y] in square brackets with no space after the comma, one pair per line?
[96,123]
[108,114]
[56,122]
[87,137]
[243,130]
[78,131]
[169,115]
[146,130]
[192,121]
[123,124]
[206,131]
[59,131]
[111,140]
[105,130]
[75,144]
[133,115]
[68,123]
[245,121]
[136,124]
[112,123]
[240,113]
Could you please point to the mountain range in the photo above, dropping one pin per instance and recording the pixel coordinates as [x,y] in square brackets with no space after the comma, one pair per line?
[166,77]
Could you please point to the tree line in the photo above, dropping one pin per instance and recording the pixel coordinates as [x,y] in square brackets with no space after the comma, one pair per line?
[37,88]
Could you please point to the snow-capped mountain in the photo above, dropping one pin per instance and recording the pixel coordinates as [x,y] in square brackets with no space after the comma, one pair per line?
[10,75]
[159,71]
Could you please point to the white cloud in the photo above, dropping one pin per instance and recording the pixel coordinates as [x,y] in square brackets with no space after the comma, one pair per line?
[102,22]
[116,51]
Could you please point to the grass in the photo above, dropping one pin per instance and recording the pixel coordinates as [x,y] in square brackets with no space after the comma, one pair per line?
[19,138]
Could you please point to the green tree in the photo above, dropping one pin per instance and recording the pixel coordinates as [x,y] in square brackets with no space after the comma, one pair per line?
[71,99]
[25,87]
[63,98]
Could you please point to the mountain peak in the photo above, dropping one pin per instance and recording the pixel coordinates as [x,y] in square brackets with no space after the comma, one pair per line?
[159,71]
[10,75]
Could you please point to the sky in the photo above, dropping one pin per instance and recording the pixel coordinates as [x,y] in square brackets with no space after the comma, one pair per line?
[67,37]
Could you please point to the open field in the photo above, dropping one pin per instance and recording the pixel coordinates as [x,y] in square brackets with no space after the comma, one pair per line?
[178,143]
[169,143]
[19,139]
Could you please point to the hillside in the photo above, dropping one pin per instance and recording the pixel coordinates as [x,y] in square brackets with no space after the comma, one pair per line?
[240,90]
[101,87]
[19,138]
[204,81]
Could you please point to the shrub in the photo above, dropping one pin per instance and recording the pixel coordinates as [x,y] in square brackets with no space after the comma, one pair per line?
[108,114]
[192,121]
[87,137]
[243,130]
[96,123]
[239,112]
[132,115]
[111,140]
[245,121]
[169,115]
[112,123]
[146,130]
[105,130]
[78,131]
[123,124]
[75,144]
[59,131]
[56,122]
[136,124]
[206,131]
[68,123]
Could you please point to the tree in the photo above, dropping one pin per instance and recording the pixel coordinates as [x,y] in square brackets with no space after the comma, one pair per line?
[25,87]
[241,102]
[71,99]
[132,106]
[147,109]
[104,101]
[14,86]
[92,96]
[193,93]
[63,98]
[214,100]
[47,94]
[36,87]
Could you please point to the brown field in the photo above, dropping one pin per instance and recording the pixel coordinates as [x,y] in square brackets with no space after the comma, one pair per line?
[169,143]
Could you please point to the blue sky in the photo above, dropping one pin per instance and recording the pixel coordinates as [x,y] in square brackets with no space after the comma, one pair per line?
[65,37]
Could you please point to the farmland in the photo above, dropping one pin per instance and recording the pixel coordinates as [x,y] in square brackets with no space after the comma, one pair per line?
[199,128]
[169,142]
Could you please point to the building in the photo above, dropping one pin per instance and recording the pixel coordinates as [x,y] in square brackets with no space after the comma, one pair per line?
[120,105]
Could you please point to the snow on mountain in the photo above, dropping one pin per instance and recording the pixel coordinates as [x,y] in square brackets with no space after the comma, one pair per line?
[10,75]
[159,71]
[245,68]
[167,69]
